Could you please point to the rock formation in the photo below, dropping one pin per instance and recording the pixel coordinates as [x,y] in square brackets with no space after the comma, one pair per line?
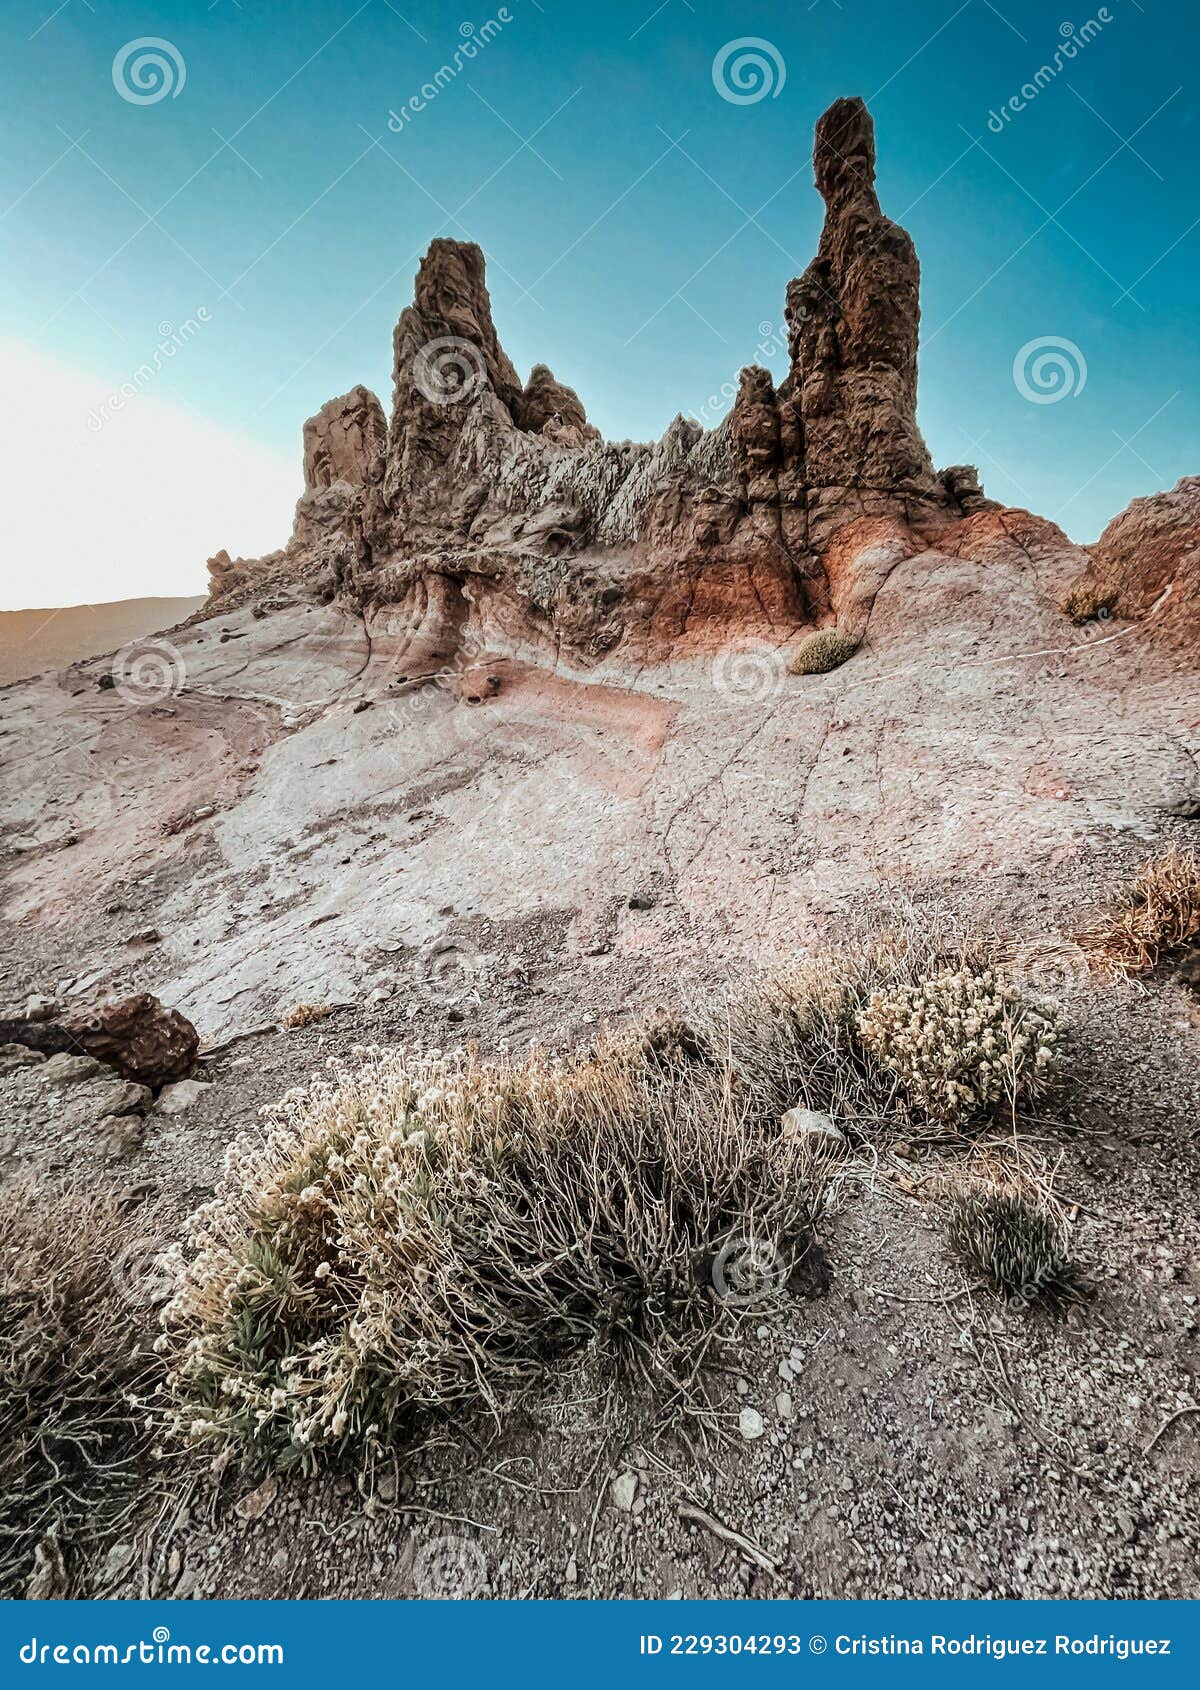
[492,510]
[137,1036]
[1150,554]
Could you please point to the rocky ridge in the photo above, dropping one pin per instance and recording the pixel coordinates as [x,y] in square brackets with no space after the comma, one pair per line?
[488,507]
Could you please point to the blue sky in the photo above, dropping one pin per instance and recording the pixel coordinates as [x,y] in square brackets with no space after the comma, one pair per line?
[640,229]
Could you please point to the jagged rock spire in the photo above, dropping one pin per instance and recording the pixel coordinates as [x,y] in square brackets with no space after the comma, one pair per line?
[853,323]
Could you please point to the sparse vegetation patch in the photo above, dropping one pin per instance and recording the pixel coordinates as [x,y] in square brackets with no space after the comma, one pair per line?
[1152,916]
[418,1233]
[304,1015]
[962,1043]
[821,652]
[76,1456]
[1088,601]
[1014,1245]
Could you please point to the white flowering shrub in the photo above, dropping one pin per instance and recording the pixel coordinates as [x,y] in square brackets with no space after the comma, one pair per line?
[962,1043]
[423,1232]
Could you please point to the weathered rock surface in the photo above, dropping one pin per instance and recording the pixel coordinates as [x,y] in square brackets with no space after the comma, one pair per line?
[490,512]
[1151,554]
[500,671]
[137,1036]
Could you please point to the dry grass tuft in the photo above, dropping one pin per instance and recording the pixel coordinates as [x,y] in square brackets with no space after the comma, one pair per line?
[1088,601]
[821,652]
[304,1014]
[422,1233]
[418,1234]
[1015,1245]
[1151,916]
[75,1372]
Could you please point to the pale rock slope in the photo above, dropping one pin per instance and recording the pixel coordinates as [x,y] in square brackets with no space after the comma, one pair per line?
[504,667]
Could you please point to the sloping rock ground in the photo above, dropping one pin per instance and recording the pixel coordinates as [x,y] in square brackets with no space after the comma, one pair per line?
[299,825]
[257,838]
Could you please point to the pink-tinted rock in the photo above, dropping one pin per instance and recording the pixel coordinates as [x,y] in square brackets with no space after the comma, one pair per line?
[1151,554]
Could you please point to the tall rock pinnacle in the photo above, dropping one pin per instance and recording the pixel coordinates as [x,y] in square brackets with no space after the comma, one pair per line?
[853,321]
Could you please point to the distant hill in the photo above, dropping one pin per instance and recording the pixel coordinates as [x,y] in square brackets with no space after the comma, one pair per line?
[32,641]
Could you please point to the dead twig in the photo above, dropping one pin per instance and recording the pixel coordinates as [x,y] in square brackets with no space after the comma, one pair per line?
[751,1550]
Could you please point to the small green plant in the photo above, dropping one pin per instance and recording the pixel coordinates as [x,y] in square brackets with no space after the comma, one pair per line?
[1014,1245]
[1088,601]
[962,1043]
[821,652]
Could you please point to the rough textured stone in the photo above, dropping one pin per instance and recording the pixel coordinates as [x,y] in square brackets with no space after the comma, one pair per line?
[488,512]
[14,1056]
[121,1097]
[548,407]
[137,1036]
[1151,554]
[853,321]
[64,1068]
[176,1099]
[811,1123]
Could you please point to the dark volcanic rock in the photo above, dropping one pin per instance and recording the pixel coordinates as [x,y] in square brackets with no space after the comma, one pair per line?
[137,1036]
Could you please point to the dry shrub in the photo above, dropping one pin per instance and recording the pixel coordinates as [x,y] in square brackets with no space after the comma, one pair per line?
[821,652]
[963,1044]
[423,1233]
[1016,1246]
[790,1035]
[75,1363]
[1150,916]
[304,1014]
[1088,601]
[420,1234]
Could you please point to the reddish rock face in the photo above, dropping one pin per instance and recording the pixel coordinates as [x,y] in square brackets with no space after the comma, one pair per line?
[138,1036]
[489,514]
[1151,554]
